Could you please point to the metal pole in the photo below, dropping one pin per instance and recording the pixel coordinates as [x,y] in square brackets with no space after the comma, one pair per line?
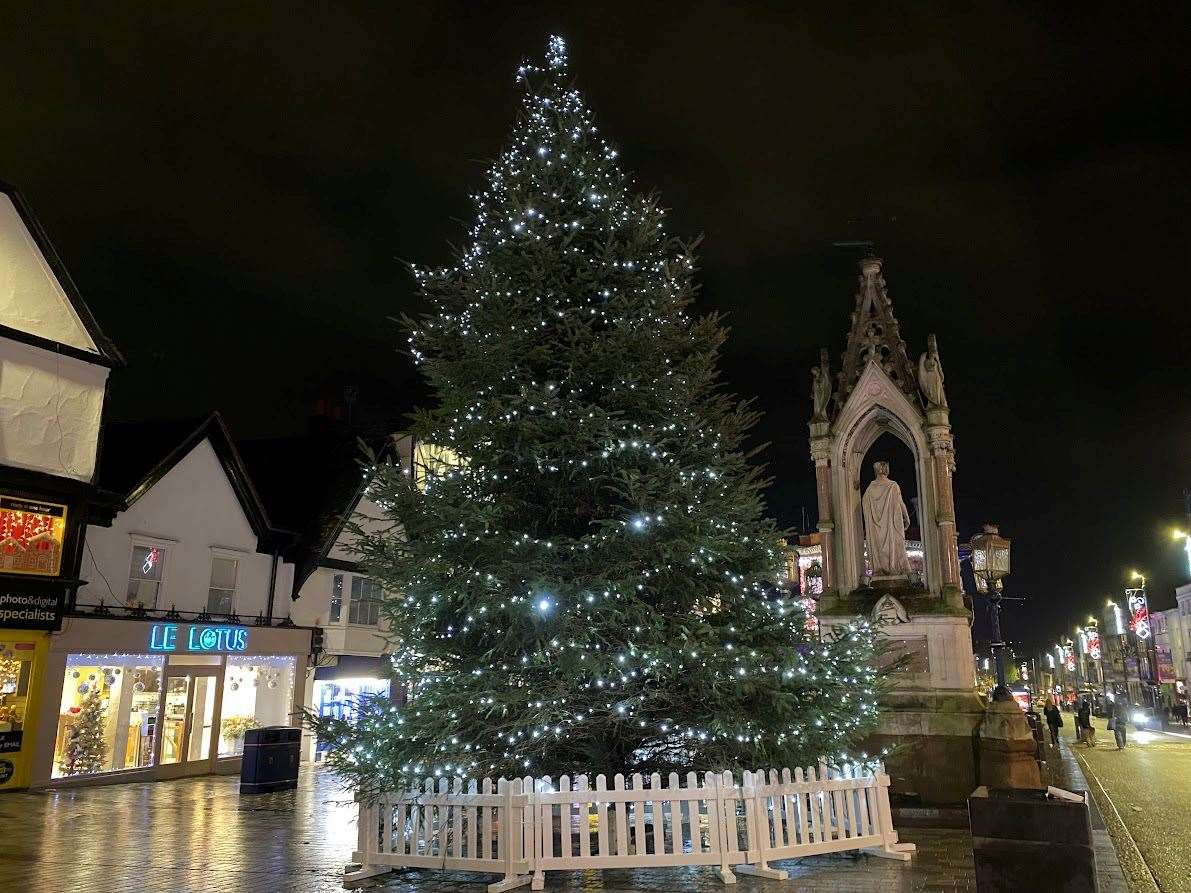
[1001,692]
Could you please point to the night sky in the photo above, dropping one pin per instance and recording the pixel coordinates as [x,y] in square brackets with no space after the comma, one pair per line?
[235,191]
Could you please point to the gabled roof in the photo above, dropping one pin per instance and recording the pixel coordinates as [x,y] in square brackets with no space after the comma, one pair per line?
[105,352]
[315,482]
[139,454]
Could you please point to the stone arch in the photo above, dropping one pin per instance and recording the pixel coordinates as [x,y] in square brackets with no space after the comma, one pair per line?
[875,406]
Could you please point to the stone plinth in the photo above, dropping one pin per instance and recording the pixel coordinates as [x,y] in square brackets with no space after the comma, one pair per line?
[1007,748]
[930,717]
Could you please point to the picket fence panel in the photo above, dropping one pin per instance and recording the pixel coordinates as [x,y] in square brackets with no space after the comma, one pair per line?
[524,827]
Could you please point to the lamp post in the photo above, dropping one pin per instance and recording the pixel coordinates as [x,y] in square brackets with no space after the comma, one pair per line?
[990,563]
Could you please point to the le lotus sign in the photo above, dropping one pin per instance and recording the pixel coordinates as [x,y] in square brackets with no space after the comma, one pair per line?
[198,639]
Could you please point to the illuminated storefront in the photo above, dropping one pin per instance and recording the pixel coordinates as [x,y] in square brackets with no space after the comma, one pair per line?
[134,700]
[22,659]
[339,689]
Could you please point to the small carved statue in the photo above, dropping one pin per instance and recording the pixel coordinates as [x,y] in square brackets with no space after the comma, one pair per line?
[930,375]
[821,386]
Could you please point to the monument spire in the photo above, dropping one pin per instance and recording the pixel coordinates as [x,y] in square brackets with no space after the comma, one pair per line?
[875,335]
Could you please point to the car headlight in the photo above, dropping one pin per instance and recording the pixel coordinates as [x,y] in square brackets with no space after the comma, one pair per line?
[1139,716]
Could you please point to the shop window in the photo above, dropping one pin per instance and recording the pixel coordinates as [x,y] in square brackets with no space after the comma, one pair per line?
[365,602]
[108,715]
[15,670]
[144,575]
[221,595]
[336,598]
[257,692]
[341,698]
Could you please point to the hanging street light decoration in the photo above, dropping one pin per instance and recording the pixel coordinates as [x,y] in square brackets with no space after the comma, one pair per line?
[1139,613]
[1092,637]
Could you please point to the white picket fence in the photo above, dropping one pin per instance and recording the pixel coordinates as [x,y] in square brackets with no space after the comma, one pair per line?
[524,827]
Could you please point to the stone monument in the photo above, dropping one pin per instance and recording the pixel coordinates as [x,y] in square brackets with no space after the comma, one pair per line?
[934,711]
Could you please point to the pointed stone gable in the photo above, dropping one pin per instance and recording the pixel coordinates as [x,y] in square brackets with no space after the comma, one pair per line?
[31,298]
[875,335]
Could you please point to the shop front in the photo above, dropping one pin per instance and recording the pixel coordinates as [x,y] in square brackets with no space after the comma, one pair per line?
[150,699]
[340,687]
[22,659]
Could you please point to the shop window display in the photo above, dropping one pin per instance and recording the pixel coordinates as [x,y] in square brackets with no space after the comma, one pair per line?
[108,716]
[340,698]
[16,668]
[257,692]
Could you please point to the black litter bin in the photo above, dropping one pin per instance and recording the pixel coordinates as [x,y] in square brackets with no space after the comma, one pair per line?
[270,759]
[1023,841]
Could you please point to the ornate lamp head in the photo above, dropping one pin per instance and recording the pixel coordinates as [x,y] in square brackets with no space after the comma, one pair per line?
[990,558]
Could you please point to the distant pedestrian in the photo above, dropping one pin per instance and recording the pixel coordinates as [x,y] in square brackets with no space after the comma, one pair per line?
[1083,724]
[1054,720]
[1181,712]
[1119,720]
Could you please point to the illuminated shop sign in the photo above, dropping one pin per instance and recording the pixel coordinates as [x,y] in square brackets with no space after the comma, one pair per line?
[31,536]
[198,639]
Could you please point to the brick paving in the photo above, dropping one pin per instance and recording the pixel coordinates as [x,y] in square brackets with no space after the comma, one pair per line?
[199,835]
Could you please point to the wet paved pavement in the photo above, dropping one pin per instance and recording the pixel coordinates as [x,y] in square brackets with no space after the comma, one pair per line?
[1147,787]
[199,835]
[187,835]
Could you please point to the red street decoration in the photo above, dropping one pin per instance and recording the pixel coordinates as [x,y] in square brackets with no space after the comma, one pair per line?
[1093,640]
[1069,658]
[1139,614]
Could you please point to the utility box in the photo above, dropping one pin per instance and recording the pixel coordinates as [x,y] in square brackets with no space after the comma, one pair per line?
[270,760]
[1023,841]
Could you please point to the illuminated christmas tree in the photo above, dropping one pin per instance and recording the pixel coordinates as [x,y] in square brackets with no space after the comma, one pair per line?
[586,577]
[86,749]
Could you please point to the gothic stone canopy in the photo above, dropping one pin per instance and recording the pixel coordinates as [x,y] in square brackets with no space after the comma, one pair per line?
[875,337]
[879,390]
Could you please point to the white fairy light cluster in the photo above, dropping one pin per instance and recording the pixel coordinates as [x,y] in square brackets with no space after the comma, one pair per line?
[592,579]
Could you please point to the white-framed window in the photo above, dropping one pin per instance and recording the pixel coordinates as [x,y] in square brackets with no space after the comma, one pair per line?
[221,593]
[146,573]
[356,595]
[364,608]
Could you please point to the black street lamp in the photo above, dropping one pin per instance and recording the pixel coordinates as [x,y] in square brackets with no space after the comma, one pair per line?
[990,563]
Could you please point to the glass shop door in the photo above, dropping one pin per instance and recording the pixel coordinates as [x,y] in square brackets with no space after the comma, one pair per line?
[186,738]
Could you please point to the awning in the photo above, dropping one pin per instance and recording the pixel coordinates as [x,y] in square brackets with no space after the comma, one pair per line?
[354,666]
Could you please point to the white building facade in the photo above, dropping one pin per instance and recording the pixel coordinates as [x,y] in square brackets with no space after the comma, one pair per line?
[337,595]
[54,368]
[180,640]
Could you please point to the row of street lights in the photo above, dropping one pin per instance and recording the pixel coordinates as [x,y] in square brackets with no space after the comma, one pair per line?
[1135,637]
[990,565]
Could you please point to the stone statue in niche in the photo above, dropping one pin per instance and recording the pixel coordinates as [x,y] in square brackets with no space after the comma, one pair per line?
[821,386]
[886,521]
[930,374]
